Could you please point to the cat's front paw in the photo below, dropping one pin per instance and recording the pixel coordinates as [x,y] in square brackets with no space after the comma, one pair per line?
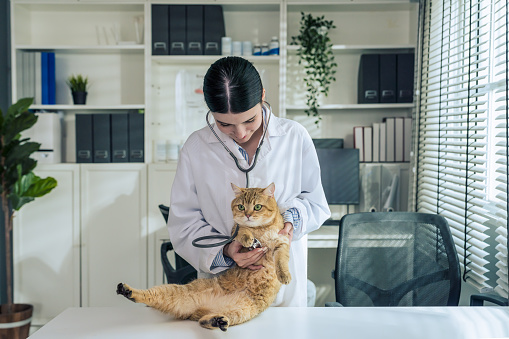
[284,277]
[126,291]
[246,240]
[212,321]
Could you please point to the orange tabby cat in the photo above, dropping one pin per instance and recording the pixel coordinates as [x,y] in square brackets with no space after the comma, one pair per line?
[239,294]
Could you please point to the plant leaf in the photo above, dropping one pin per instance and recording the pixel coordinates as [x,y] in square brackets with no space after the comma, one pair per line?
[28,187]
[20,106]
[17,153]
[16,124]
[41,187]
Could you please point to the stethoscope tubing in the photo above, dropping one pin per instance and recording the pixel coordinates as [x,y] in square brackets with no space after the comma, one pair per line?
[250,168]
[228,239]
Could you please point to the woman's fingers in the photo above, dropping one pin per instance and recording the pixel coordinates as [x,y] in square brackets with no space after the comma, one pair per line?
[249,258]
[288,231]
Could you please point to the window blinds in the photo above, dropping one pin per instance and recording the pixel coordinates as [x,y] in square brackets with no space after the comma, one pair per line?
[454,97]
[500,140]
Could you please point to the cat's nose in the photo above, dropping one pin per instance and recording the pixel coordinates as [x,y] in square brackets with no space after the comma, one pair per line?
[248,215]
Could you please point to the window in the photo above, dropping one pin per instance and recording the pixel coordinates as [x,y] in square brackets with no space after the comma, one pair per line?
[462,119]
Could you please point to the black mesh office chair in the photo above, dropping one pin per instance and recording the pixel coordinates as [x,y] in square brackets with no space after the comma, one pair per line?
[396,259]
[479,299]
[183,271]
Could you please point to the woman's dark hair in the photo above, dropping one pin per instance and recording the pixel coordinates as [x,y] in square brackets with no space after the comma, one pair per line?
[232,85]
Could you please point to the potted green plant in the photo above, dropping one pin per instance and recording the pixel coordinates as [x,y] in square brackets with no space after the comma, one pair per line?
[18,186]
[315,54]
[79,87]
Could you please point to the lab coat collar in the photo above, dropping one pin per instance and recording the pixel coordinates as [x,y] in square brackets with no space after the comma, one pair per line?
[274,130]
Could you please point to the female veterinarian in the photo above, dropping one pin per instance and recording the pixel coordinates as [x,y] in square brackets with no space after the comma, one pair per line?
[249,146]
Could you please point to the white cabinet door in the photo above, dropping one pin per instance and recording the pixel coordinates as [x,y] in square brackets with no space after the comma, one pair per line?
[160,179]
[114,232]
[46,247]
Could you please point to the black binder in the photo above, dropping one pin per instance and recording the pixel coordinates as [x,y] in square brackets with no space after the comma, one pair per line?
[368,84]
[194,30]
[213,29]
[177,27]
[328,143]
[136,137]
[388,78]
[339,169]
[84,138]
[160,37]
[102,133]
[405,78]
[120,137]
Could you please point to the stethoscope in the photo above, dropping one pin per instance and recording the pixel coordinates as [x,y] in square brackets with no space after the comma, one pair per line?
[227,239]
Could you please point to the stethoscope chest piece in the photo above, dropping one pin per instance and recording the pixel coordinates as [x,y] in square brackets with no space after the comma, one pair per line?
[256,244]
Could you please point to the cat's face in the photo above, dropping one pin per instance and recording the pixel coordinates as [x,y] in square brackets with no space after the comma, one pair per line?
[253,207]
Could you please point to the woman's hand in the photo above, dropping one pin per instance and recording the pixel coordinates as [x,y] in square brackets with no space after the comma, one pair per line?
[288,230]
[247,259]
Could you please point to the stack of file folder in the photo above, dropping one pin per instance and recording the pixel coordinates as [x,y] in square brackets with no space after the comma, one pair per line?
[37,77]
[386,141]
[386,78]
[187,29]
[105,138]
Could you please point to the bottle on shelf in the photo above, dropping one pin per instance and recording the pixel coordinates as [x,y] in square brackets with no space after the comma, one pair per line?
[274,46]
[247,48]
[265,49]
[226,45]
[257,50]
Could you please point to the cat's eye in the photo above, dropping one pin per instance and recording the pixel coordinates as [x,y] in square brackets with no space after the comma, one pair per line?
[241,207]
[257,207]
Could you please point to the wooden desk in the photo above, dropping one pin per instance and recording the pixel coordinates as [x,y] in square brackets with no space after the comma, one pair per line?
[138,321]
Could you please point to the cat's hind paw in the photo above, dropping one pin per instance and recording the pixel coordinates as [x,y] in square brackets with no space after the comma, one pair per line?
[284,277]
[212,321]
[125,290]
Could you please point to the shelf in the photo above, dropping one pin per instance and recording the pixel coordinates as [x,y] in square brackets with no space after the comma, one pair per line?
[355,106]
[41,3]
[86,107]
[350,5]
[84,49]
[363,48]
[204,59]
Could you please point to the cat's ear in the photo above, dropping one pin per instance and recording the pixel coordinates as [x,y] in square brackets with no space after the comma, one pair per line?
[236,189]
[270,190]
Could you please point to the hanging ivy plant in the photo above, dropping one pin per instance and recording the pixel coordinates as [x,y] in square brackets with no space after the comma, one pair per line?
[315,54]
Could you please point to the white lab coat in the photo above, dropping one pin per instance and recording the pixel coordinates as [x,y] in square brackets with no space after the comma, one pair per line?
[201,195]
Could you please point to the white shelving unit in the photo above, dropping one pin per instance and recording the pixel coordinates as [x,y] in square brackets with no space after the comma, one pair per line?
[362,27]
[83,108]
[168,117]
[207,59]
[82,49]
[80,33]
[125,77]
[353,107]
[361,48]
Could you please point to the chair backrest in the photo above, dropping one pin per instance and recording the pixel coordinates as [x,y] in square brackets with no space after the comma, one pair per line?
[396,259]
[183,272]
[165,211]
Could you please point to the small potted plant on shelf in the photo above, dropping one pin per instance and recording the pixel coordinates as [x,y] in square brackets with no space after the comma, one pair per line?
[315,54]
[18,186]
[79,86]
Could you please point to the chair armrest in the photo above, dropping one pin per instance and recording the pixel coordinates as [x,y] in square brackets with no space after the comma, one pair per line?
[333,304]
[479,299]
